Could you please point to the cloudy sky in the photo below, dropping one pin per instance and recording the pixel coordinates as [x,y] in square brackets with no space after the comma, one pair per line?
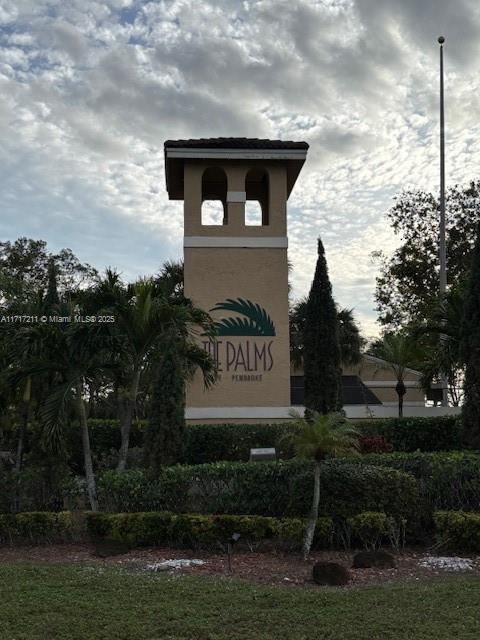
[90,90]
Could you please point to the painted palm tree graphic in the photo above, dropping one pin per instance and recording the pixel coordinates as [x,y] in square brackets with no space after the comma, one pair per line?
[256,321]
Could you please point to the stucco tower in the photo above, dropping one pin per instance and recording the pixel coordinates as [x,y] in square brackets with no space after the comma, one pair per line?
[235,193]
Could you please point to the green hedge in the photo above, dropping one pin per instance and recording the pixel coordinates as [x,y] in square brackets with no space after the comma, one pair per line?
[458,530]
[441,433]
[160,528]
[278,489]
[38,527]
[455,530]
[164,528]
[446,481]
[204,443]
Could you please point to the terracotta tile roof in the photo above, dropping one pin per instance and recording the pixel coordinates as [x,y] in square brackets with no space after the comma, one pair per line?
[235,143]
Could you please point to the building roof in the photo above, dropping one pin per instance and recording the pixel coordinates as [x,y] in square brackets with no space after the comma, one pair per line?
[235,143]
[355,392]
[177,152]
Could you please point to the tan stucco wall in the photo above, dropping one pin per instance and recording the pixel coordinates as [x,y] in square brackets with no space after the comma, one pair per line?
[236,172]
[260,275]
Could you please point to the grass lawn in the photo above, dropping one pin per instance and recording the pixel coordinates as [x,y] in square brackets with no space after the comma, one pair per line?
[58,602]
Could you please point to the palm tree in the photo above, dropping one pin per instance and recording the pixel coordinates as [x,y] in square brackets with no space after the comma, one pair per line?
[73,356]
[319,438]
[440,332]
[397,353]
[147,314]
[350,340]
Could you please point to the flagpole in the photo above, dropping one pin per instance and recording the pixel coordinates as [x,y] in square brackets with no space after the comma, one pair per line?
[442,241]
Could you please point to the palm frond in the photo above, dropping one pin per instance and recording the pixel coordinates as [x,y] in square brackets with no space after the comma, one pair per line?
[260,321]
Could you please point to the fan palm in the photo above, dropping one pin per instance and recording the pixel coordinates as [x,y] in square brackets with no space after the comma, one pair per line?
[144,319]
[316,439]
[350,340]
[398,352]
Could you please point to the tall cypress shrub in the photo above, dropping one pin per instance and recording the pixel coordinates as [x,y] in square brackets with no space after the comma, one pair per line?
[321,345]
[52,299]
[471,354]
[166,423]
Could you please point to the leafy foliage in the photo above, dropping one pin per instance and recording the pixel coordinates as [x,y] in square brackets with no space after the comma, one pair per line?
[163,439]
[286,489]
[321,346]
[441,433]
[408,282]
[458,530]
[324,436]
[397,352]
[350,340]
[471,353]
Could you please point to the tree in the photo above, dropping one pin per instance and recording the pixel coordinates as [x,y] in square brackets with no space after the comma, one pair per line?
[439,336]
[408,281]
[51,296]
[317,439]
[24,270]
[163,439]
[397,352]
[321,346]
[147,313]
[350,339]
[73,354]
[470,349]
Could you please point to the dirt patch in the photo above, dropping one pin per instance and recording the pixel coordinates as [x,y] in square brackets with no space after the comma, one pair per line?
[259,567]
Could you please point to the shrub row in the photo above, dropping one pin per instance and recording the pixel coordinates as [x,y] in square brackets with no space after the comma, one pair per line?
[441,433]
[446,481]
[278,489]
[38,527]
[455,530]
[160,528]
[204,443]
[458,530]
[369,529]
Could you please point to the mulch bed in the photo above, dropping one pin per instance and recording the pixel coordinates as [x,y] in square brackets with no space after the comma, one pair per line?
[270,568]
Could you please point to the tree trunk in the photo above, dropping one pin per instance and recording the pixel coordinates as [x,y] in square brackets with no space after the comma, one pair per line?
[401,391]
[126,417]
[23,424]
[312,521]
[87,453]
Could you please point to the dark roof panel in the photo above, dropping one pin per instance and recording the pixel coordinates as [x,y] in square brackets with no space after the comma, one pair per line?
[353,391]
[235,143]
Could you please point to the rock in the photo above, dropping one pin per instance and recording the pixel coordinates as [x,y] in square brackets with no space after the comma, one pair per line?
[106,548]
[168,565]
[377,559]
[331,574]
[447,563]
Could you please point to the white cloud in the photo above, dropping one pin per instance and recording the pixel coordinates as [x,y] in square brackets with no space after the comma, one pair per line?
[90,90]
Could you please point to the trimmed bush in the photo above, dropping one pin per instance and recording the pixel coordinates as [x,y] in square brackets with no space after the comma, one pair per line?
[446,481]
[205,443]
[275,489]
[374,444]
[370,528]
[458,530]
[37,527]
[330,574]
[440,433]
[141,529]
